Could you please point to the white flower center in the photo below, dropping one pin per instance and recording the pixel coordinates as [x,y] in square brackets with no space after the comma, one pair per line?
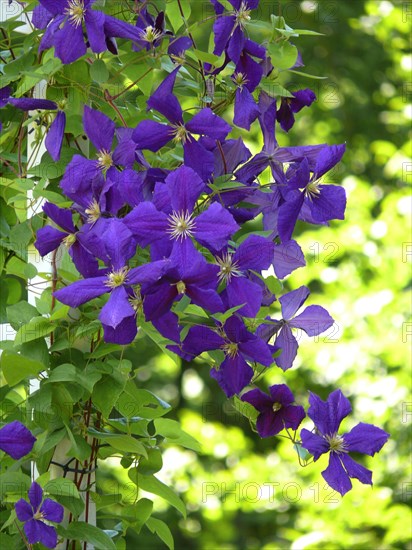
[228,268]
[117,278]
[181,225]
[243,14]
[312,189]
[69,240]
[150,34]
[75,10]
[93,211]
[231,349]
[180,133]
[336,443]
[104,159]
[276,407]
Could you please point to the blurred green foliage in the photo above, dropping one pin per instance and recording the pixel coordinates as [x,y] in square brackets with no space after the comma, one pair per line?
[245,493]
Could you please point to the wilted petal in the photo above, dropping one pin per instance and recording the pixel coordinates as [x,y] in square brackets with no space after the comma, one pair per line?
[366,438]
[335,475]
[313,320]
[314,443]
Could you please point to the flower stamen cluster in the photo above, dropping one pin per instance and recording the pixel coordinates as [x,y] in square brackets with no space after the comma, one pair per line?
[75,12]
[181,225]
[117,278]
[228,268]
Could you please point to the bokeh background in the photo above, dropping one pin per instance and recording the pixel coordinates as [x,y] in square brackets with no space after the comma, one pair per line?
[244,493]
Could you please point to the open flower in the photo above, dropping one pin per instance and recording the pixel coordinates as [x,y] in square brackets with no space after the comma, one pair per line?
[16,440]
[363,438]
[276,411]
[34,514]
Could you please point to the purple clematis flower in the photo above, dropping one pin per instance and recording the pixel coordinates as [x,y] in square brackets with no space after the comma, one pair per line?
[153,135]
[254,254]
[118,314]
[16,440]
[229,29]
[291,105]
[239,346]
[306,198]
[276,411]
[313,320]
[363,438]
[151,30]
[55,133]
[170,219]
[36,513]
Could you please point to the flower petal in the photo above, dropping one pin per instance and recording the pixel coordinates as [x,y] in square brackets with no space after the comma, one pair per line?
[184,187]
[365,438]
[292,301]
[287,257]
[99,128]
[241,290]
[16,440]
[233,375]
[205,122]
[313,320]
[35,495]
[165,102]
[52,510]
[124,333]
[82,291]
[94,22]
[55,135]
[330,204]
[222,28]
[199,158]
[214,227]
[24,511]
[33,530]
[328,415]
[314,443]
[286,341]
[152,135]
[335,475]
[356,470]
[293,416]
[48,239]
[246,109]
[254,253]
[117,308]
[269,423]
[147,223]
[259,399]
[69,43]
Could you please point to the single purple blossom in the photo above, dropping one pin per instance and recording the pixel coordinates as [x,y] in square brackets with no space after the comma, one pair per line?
[171,219]
[363,438]
[306,198]
[239,346]
[16,440]
[118,314]
[153,135]
[313,320]
[34,514]
[276,411]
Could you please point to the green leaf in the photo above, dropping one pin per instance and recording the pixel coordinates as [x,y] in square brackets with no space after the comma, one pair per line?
[204,56]
[153,463]
[174,15]
[36,328]
[171,430]
[80,530]
[246,409]
[21,313]
[121,442]
[80,449]
[142,511]
[17,368]
[62,486]
[162,531]
[99,72]
[307,75]
[14,484]
[135,402]
[153,485]
[274,89]
[284,55]
[69,373]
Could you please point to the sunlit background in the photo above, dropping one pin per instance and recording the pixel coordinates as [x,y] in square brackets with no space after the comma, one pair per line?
[248,493]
